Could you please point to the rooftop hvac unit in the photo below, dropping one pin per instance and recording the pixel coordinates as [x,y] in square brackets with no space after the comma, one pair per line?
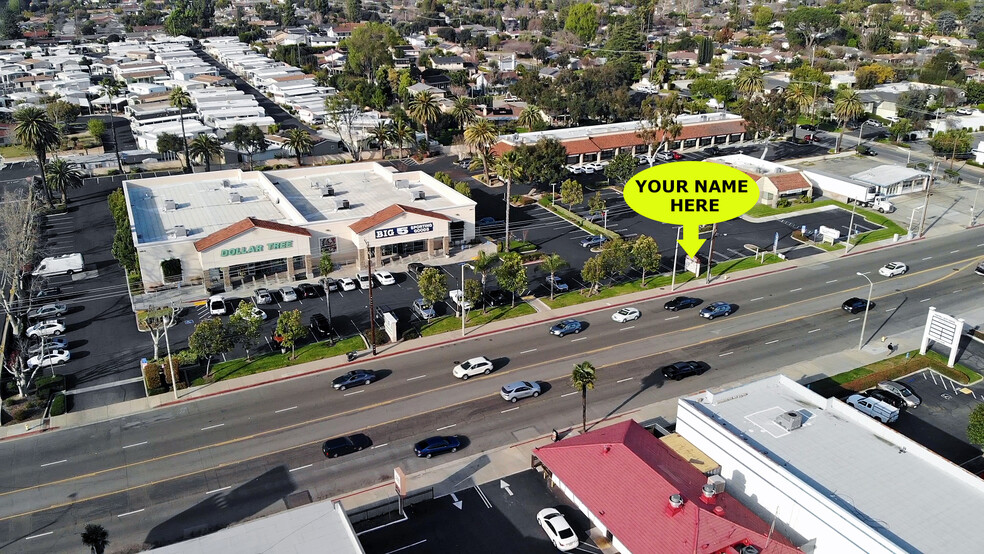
[717,482]
[419,195]
[178,231]
[747,549]
[790,420]
[226,184]
[327,191]
[343,205]
[169,206]
[402,184]
[235,198]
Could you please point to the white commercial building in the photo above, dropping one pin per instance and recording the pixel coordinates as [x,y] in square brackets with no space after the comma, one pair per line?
[834,480]
[225,226]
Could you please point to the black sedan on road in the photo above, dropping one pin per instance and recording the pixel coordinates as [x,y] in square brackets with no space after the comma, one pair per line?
[855,305]
[436,445]
[353,378]
[679,370]
[681,303]
[334,448]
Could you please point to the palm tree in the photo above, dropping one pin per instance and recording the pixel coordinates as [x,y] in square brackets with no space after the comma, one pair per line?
[847,106]
[800,97]
[300,142]
[508,167]
[204,148]
[483,264]
[481,135]
[530,116]
[583,378]
[381,132]
[95,537]
[424,109]
[552,264]
[749,81]
[180,99]
[111,88]
[36,132]
[462,111]
[405,134]
[62,176]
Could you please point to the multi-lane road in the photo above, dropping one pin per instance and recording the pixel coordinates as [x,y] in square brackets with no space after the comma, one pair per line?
[179,470]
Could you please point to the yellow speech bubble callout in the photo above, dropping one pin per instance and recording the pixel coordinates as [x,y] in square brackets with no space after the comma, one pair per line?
[691,194]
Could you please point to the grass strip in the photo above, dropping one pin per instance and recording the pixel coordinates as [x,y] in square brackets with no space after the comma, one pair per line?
[449,323]
[240,367]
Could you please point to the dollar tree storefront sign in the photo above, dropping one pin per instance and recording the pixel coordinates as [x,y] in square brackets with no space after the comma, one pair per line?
[256,248]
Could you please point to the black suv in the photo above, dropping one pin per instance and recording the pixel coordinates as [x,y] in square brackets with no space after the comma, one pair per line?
[416,269]
[679,370]
[712,150]
[308,290]
[320,326]
[809,127]
[497,297]
[855,305]
[334,448]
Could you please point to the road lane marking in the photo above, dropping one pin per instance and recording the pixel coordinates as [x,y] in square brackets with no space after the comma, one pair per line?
[136,444]
[417,377]
[624,380]
[286,410]
[354,392]
[891,309]
[509,410]
[927,258]
[925,299]
[568,394]
[446,427]
[528,351]
[53,463]
[726,354]
[219,490]
[299,468]
[853,320]
[627,328]
[981,244]
[669,318]
[954,251]
[772,341]
[813,331]
[131,513]
[796,290]
[39,535]
[212,426]
[958,290]
[582,338]
[754,299]
[832,281]
[378,446]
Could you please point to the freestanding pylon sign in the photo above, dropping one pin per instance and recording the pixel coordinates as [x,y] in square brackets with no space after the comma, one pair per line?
[943,329]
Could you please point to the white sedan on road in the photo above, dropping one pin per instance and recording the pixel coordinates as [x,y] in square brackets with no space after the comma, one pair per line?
[384,277]
[558,530]
[626,314]
[892,269]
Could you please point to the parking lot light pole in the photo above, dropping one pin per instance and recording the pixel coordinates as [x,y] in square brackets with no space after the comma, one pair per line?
[867,308]
[553,193]
[604,213]
[462,305]
[372,307]
[676,248]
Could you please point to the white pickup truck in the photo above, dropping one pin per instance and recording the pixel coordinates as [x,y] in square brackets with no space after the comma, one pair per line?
[66,264]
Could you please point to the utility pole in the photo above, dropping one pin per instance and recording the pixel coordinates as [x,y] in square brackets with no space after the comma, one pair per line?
[710,252]
[929,185]
[372,307]
[973,208]
[676,248]
[850,227]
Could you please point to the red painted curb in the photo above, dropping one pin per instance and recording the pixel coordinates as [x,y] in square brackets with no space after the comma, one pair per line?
[28,434]
[900,243]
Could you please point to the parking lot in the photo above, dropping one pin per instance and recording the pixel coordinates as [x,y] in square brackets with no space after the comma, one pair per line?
[494,517]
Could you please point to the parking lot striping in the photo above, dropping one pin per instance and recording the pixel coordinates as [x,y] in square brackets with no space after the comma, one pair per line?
[754,299]
[38,536]
[509,410]
[484,498]
[378,446]
[925,299]
[832,281]
[299,468]
[813,331]
[417,377]
[212,426]
[627,328]
[219,490]
[575,340]
[772,341]
[445,427]
[853,320]
[136,444]
[528,351]
[354,392]
[726,354]
[568,394]
[407,546]
[674,317]
[927,258]
[954,251]
[53,463]
[624,380]
[131,513]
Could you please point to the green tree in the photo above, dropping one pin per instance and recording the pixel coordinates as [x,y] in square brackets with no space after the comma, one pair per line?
[552,264]
[645,256]
[249,139]
[582,20]
[509,167]
[530,117]
[597,204]
[63,175]
[807,26]
[847,106]
[900,129]
[95,537]
[571,192]
[424,109]
[583,378]
[949,143]
[369,48]
[481,134]
[594,272]
[543,162]
[799,97]
[462,188]
[749,80]
[180,99]
[353,10]
[946,22]
[483,264]
[463,112]
[97,128]
[36,133]
[473,293]
[166,142]
[210,338]
[621,168]
[511,274]
[62,113]
[433,285]
[299,142]
[244,327]
[975,426]
[290,327]
[205,148]
[380,133]
[617,257]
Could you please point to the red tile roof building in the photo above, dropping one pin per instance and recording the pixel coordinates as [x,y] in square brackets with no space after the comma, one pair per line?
[623,478]
[244,225]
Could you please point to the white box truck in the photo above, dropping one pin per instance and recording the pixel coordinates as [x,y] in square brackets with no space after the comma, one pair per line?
[66,264]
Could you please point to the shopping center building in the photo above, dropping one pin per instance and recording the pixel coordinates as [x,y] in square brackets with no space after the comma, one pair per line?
[229,227]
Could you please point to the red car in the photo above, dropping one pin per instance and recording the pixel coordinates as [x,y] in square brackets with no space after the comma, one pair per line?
[676,155]
[811,138]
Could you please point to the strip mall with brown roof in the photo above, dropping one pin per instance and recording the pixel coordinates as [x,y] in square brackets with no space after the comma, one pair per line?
[236,228]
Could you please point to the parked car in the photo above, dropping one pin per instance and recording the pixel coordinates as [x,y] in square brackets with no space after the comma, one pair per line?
[48,359]
[48,344]
[485,221]
[364,280]
[308,290]
[556,283]
[855,305]
[808,127]
[262,296]
[217,305]
[712,151]
[681,303]
[416,269]
[288,294]
[866,150]
[716,309]
[902,391]
[423,309]
[328,284]
[873,123]
[560,533]
[458,297]
[320,326]
[676,155]
[353,378]
[883,412]
[626,314]
[334,448]
[891,269]
[679,370]
[566,327]
[574,168]
[47,311]
[886,397]
[474,366]
[384,278]
[257,312]
[347,284]
[48,292]
[465,162]
[46,328]
[593,241]
[497,297]
[520,389]
[664,156]
[964,111]
[436,445]
[811,138]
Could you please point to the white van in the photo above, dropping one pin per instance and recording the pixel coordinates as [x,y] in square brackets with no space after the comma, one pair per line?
[882,411]
[66,264]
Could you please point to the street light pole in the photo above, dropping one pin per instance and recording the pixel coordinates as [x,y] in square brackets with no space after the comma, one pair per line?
[867,307]
[861,128]
[929,185]
[170,363]
[847,247]
[710,252]
[676,248]
[462,305]
[605,214]
[973,207]
[372,307]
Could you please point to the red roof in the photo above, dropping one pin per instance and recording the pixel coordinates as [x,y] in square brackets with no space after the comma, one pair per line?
[580,146]
[789,182]
[241,227]
[389,213]
[625,476]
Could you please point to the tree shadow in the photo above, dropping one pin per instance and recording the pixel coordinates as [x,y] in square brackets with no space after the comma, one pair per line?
[654,379]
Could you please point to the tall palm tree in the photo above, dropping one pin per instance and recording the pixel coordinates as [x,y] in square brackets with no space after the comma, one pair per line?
[180,99]
[483,264]
[36,132]
[530,116]
[300,142]
[95,537]
[481,135]
[112,88]
[405,134]
[462,111]
[552,264]
[424,109]
[801,98]
[847,106]
[583,378]
[63,175]
[508,167]
[749,81]
[204,148]
[381,133]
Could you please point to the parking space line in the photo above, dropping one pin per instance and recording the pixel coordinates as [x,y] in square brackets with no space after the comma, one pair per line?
[131,513]
[53,463]
[509,410]
[958,290]
[286,409]
[445,427]
[624,380]
[299,468]
[954,251]
[891,309]
[669,318]
[627,328]
[796,290]
[925,299]
[981,244]
[927,258]
[754,299]
[832,281]
[582,338]
[378,446]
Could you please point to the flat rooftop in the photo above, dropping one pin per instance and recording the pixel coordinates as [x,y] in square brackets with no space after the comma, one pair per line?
[574,133]
[886,175]
[902,490]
